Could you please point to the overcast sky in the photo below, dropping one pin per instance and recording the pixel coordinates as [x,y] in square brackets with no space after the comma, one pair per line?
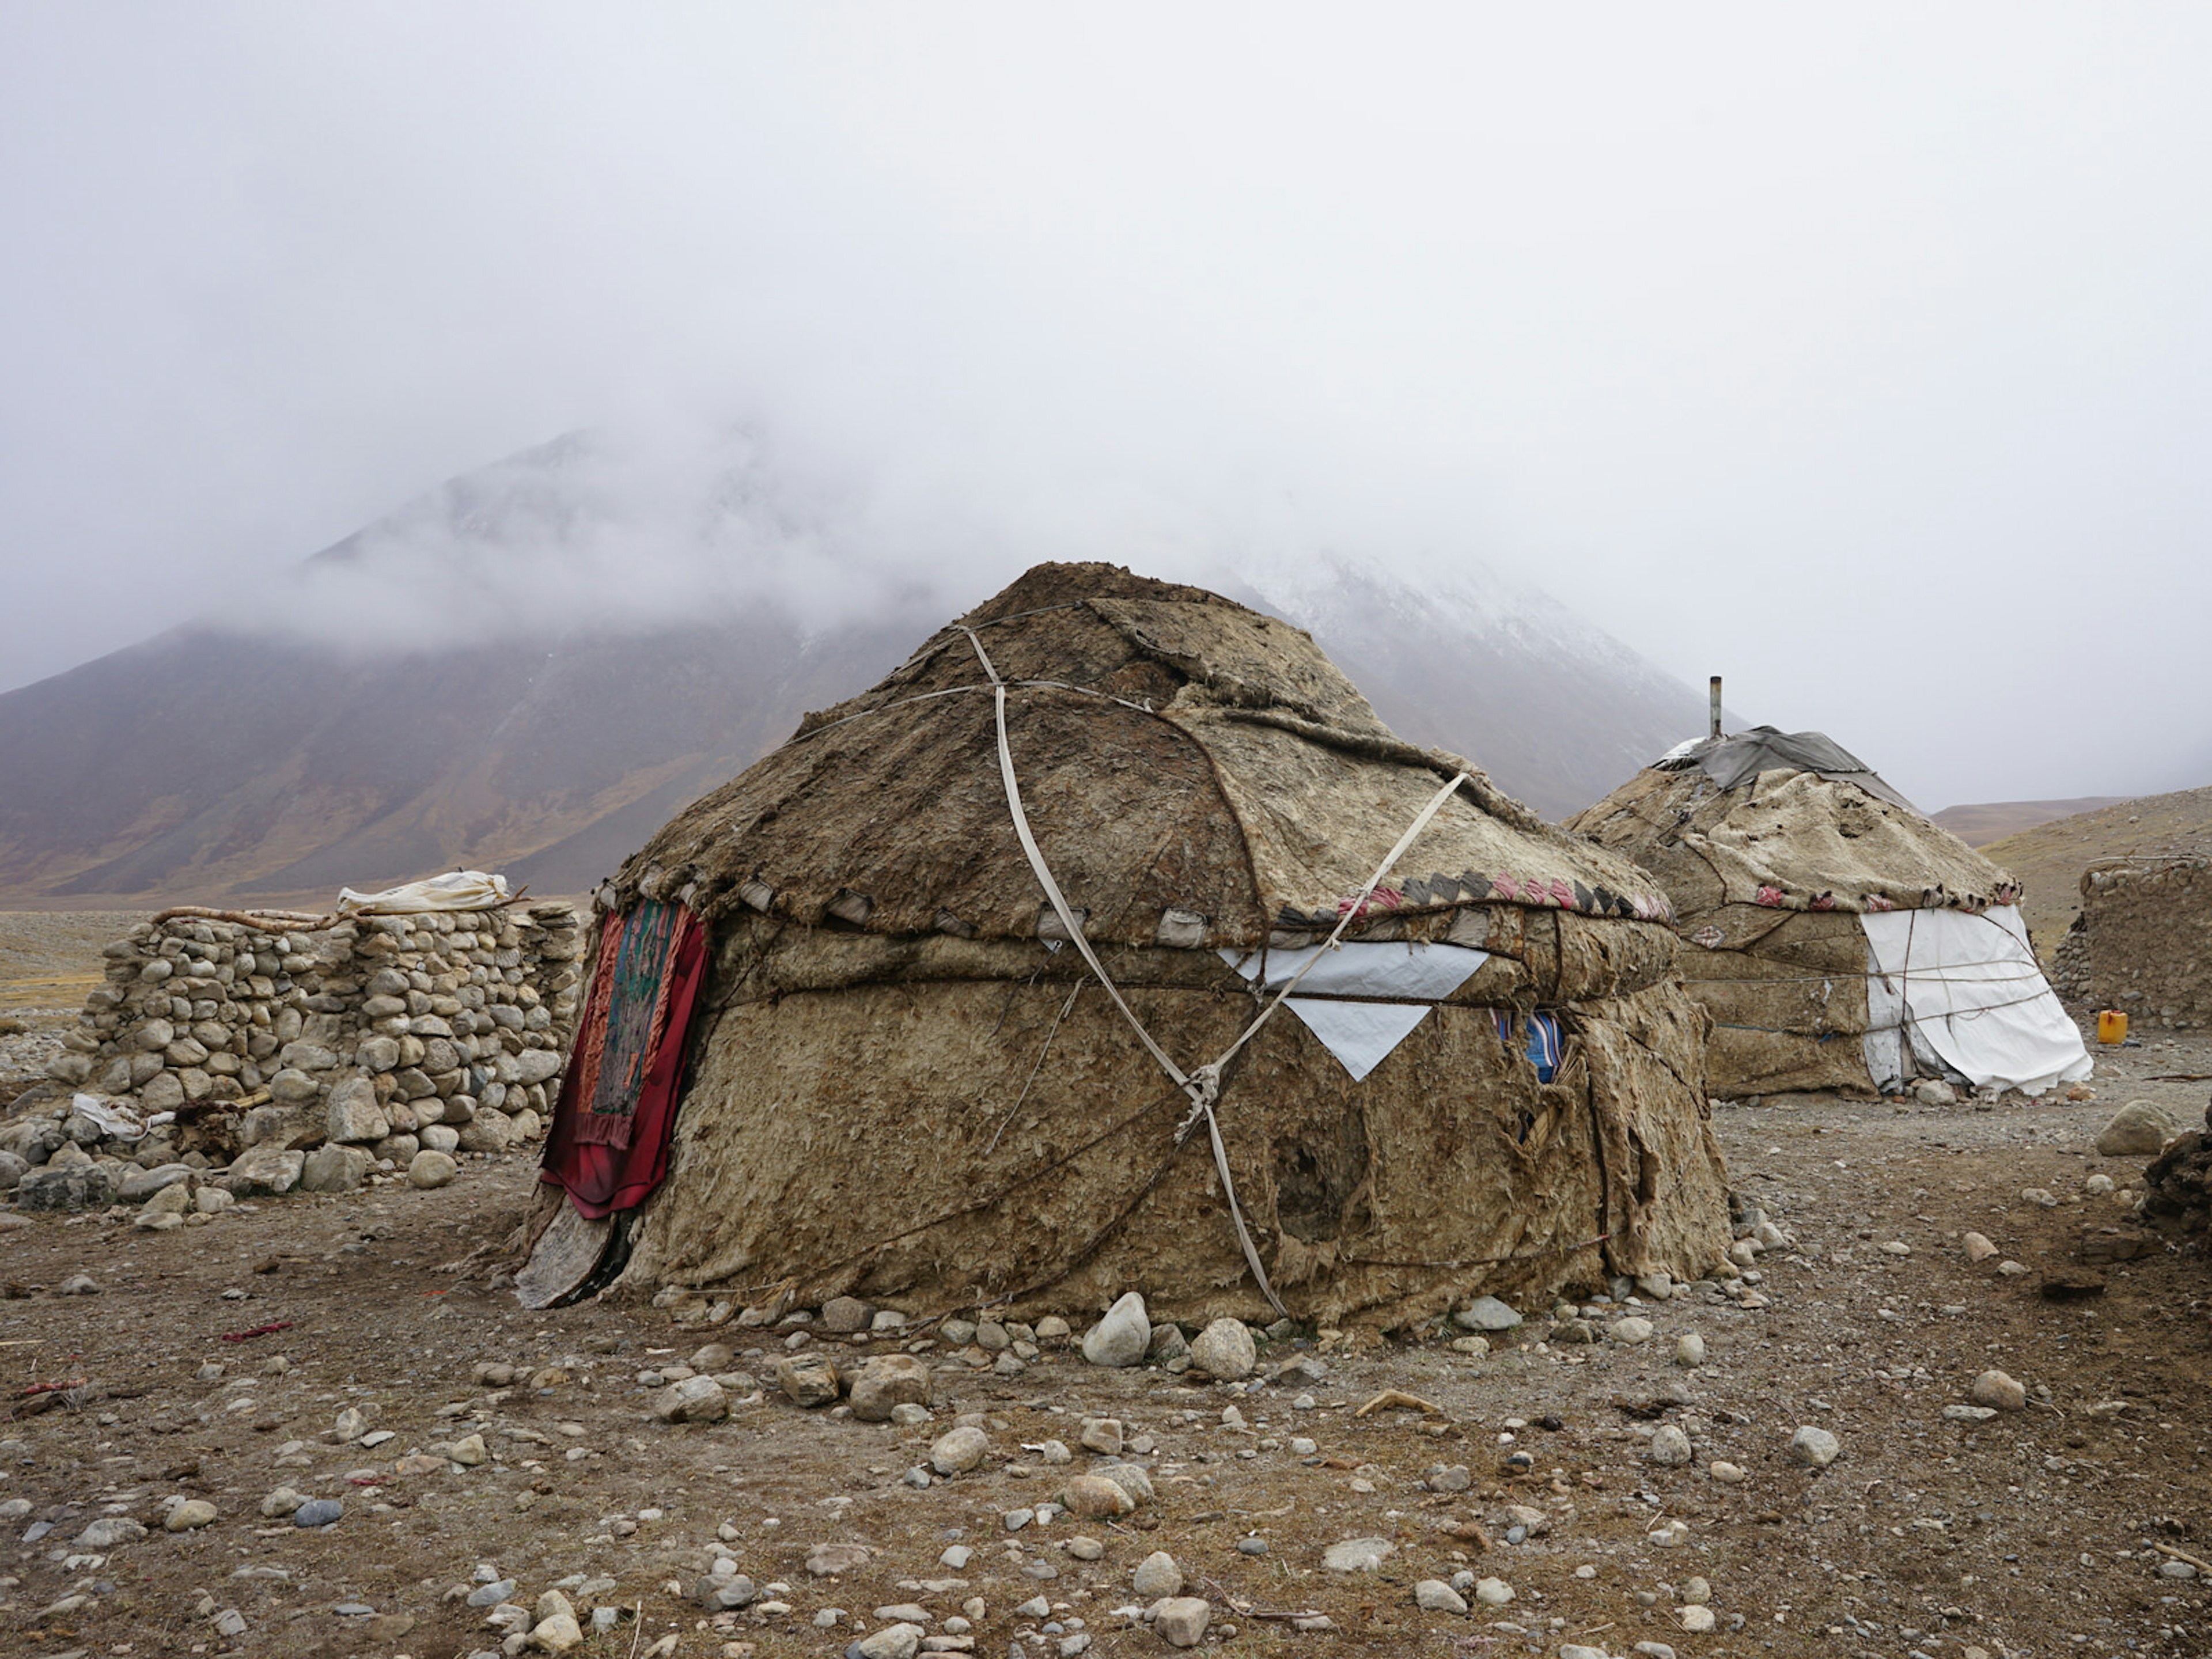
[1866,358]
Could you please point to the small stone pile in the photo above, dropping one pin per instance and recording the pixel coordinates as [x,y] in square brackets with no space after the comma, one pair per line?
[2137,945]
[379,1038]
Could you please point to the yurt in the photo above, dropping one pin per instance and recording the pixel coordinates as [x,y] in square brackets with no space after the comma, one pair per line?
[1112,943]
[1840,941]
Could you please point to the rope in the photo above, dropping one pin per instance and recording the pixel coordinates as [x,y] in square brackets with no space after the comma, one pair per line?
[1203,1085]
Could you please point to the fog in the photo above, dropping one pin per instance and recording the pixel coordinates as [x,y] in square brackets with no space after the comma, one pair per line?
[1863,359]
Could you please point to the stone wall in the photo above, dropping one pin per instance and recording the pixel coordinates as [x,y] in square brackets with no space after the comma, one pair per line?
[389,1034]
[2142,944]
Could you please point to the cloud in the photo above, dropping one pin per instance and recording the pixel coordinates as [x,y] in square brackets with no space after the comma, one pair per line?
[1861,357]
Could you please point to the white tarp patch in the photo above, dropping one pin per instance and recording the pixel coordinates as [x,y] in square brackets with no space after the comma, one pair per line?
[1967,990]
[1352,997]
[458,890]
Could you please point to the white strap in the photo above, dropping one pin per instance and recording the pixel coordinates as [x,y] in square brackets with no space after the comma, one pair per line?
[1204,1085]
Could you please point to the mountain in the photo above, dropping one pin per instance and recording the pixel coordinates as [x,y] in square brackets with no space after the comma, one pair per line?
[531,667]
[1980,823]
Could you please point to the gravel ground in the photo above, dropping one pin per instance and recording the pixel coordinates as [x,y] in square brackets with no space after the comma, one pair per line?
[2035,1532]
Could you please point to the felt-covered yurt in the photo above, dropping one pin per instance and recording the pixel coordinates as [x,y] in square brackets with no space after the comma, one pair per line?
[973,991]
[1840,941]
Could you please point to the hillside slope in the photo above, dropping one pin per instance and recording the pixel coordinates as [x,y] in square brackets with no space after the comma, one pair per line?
[2050,857]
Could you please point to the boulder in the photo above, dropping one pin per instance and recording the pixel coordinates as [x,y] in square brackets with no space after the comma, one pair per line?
[887,1381]
[842,1316]
[66,1187]
[1181,1620]
[1225,1350]
[266,1170]
[1121,1337]
[809,1380]
[353,1116]
[1094,1498]
[2139,1129]
[960,1450]
[430,1168]
[695,1399]
[488,1131]
[140,1185]
[332,1168]
[293,1086]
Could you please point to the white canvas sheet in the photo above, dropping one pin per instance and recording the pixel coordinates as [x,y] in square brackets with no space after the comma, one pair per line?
[458,890]
[1357,999]
[1965,988]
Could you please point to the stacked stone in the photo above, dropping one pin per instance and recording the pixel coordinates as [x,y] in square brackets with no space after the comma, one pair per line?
[2142,944]
[388,1033]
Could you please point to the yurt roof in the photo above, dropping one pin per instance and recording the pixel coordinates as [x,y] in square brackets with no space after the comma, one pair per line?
[1787,820]
[1179,756]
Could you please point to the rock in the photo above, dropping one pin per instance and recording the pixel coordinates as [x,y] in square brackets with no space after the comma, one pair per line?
[140,1185]
[1167,1345]
[1224,1350]
[1659,1286]
[1630,1330]
[440,1138]
[469,1451]
[334,1168]
[1452,1477]
[1728,1474]
[1102,1435]
[900,1641]
[1998,1391]
[267,1171]
[1697,1619]
[1486,1312]
[1814,1447]
[293,1087]
[1358,1555]
[695,1399]
[1492,1592]
[828,1560]
[212,1200]
[429,1170]
[1979,1249]
[169,1200]
[2139,1129]
[1181,1620]
[1121,1337]
[1689,1350]
[551,1603]
[318,1512]
[958,1450]
[1084,1548]
[188,1516]
[58,1188]
[557,1634]
[1473,1347]
[280,1503]
[1671,1447]
[108,1531]
[352,1114]
[886,1381]
[12,1169]
[489,1130]
[842,1316]
[809,1380]
[78,1284]
[1969,1413]
[1157,1576]
[1093,1497]
[1131,1478]
[1934,1092]
[1434,1595]
[1052,1328]
[723,1594]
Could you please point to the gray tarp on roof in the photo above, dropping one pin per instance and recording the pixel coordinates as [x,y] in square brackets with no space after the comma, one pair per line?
[1730,760]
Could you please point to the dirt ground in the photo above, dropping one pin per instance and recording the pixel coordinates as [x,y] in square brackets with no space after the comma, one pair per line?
[2035,1533]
